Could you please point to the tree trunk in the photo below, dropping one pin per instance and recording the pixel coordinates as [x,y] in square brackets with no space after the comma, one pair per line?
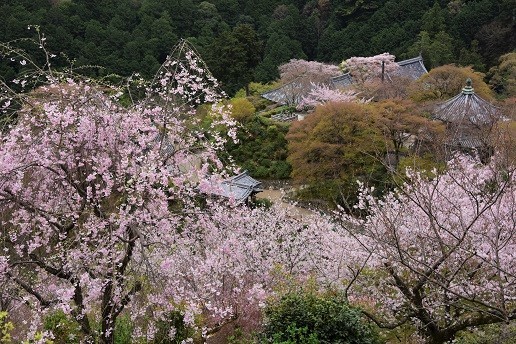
[108,316]
[108,331]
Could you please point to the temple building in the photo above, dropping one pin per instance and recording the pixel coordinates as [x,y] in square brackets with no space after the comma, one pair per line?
[241,188]
[468,119]
[413,68]
[291,93]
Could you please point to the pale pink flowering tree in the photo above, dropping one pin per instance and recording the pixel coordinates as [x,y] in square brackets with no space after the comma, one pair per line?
[311,71]
[299,77]
[443,250]
[88,188]
[364,69]
[228,261]
[320,94]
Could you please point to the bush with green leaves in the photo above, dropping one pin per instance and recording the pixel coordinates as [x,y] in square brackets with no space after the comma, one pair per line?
[494,333]
[309,317]
[261,148]
[64,329]
[173,324]
[5,328]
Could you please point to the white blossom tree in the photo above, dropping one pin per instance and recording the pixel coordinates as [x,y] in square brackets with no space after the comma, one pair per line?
[443,251]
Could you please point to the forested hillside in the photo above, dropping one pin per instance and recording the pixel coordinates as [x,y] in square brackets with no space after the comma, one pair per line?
[244,40]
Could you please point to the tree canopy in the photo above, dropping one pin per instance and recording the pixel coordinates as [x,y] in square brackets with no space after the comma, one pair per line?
[246,41]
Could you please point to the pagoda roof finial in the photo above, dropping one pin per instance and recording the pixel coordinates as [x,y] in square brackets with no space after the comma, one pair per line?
[468,89]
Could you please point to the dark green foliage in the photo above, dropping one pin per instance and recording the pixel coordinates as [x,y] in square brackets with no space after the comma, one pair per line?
[279,49]
[65,329]
[174,321]
[262,148]
[488,334]
[263,203]
[243,48]
[295,335]
[246,40]
[307,317]
[123,330]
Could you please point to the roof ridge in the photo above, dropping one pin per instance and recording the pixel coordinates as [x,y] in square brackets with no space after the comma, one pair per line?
[411,60]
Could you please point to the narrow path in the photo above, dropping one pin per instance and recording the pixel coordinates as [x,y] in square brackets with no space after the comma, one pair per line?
[276,196]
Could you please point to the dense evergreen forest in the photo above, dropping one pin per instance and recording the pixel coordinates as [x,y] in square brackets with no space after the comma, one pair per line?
[244,40]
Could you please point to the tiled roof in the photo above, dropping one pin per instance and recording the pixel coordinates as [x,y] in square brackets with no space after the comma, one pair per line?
[239,187]
[286,94]
[290,94]
[343,80]
[469,142]
[466,107]
[413,68]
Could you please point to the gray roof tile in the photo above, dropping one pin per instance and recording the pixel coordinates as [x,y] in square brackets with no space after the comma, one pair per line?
[467,107]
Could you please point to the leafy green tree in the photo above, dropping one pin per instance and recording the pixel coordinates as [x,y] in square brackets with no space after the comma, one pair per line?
[495,39]
[162,32]
[400,122]
[441,49]
[472,57]
[332,148]
[261,148]
[471,17]
[434,20]
[241,109]
[278,50]
[208,24]
[243,48]
[447,81]
[436,50]
[310,318]
[503,77]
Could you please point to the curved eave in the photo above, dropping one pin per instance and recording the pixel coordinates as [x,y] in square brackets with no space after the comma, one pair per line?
[467,108]
[413,68]
[343,80]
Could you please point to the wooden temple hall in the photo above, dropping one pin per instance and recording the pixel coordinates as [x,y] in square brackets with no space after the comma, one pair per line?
[241,188]
[469,120]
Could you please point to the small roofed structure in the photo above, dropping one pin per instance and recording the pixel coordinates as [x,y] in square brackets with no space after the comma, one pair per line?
[343,80]
[413,68]
[468,119]
[287,94]
[240,188]
[467,108]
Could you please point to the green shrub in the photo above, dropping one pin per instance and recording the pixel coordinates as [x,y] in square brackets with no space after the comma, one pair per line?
[307,317]
[263,203]
[241,109]
[65,329]
[242,337]
[5,328]
[296,335]
[175,321]
[123,330]
[261,148]
[494,333]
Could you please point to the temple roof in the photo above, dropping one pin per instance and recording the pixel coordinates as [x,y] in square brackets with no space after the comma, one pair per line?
[285,94]
[467,107]
[239,187]
[291,93]
[343,80]
[466,141]
[412,68]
